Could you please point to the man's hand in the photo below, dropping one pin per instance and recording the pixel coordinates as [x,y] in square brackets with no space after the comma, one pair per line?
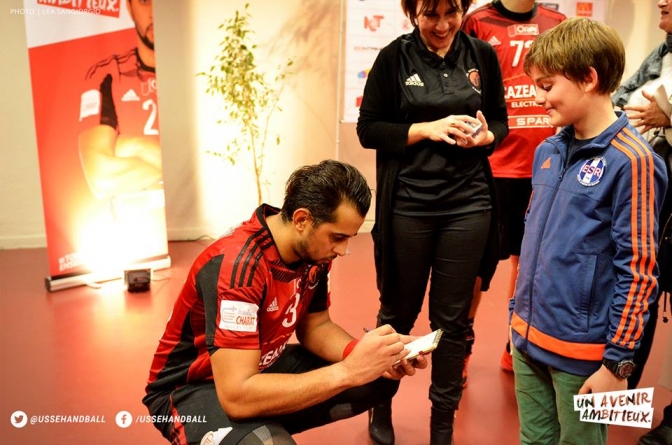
[108,113]
[377,352]
[603,380]
[374,354]
[648,116]
[407,367]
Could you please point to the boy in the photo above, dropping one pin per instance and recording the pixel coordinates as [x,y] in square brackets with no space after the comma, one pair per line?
[588,259]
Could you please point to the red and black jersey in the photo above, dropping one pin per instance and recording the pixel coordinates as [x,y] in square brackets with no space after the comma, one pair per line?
[239,294]
[133,92]
[511,35]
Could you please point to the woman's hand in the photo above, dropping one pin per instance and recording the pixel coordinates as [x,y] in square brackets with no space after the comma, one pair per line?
[477,138]
[454,130]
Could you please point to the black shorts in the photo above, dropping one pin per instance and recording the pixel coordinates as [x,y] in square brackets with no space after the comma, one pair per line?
[199,406]
[513,197]
[187,414]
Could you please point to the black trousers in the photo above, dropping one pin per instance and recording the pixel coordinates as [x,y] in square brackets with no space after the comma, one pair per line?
[444,251]
[663,148]
[642,353]
[199,401]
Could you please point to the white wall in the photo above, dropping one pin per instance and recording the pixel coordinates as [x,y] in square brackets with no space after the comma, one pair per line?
[637,23]
[204,195]
[21,218]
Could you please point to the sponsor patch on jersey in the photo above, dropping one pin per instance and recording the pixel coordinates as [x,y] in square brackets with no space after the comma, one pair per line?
[591,171]
[89,104]
[523,29]
[238,316]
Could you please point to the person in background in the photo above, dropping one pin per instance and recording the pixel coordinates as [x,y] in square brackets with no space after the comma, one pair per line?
[510,26]
[225,355]
[588,258]
[423,96]
[636,96]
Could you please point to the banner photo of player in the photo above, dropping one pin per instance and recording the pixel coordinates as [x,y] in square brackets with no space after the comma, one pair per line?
[97,125]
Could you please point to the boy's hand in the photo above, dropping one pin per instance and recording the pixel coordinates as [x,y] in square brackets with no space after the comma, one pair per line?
[603,380]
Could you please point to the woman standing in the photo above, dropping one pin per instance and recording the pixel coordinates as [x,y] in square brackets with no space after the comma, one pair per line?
[425,93]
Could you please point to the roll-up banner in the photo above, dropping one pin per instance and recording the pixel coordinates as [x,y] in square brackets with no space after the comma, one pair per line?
[93,81]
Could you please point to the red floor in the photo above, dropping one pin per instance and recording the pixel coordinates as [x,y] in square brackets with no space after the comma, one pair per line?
[86,351]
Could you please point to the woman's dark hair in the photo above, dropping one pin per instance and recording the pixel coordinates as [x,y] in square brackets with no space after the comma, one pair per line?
[321,189]
[410,7]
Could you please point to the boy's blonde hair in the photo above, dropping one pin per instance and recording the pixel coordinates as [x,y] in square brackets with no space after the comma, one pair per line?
[575,45]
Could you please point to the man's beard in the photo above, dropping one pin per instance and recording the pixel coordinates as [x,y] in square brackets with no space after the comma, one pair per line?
[148,43]
[302,252]
[307,258]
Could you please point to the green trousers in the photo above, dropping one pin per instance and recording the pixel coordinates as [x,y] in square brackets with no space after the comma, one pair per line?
[546,406]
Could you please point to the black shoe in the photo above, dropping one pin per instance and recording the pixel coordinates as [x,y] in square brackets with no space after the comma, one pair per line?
[441,427]
[380,424]
[660,435]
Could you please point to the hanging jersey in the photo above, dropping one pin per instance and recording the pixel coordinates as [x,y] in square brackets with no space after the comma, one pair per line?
[511,35]
[239,294]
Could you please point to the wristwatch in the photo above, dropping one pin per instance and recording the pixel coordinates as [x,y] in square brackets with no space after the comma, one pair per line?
[622,369]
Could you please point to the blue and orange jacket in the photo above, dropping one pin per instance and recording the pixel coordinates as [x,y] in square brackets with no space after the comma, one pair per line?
[588,261]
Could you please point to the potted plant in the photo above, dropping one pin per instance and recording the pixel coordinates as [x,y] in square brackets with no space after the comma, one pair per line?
[248,98]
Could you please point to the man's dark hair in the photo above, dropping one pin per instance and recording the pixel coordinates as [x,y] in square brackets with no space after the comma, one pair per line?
[321,188]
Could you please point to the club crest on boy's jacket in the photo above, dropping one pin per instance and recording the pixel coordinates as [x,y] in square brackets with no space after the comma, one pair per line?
[591,171]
